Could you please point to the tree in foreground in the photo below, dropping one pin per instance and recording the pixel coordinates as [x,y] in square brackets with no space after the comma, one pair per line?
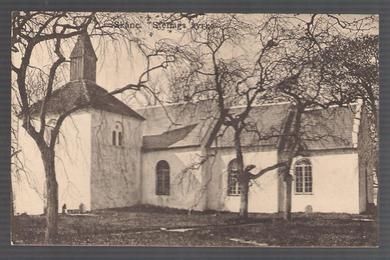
[247,62]
[35,31]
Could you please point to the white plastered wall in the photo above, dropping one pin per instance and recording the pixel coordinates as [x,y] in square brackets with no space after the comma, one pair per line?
[263,194]
[72,168]
[335,183]
[115,170]
[187,190]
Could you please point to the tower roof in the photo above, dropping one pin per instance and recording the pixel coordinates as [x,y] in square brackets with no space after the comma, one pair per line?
[84,94]
[83,47]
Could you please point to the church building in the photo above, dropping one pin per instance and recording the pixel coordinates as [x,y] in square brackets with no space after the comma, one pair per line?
[109,155]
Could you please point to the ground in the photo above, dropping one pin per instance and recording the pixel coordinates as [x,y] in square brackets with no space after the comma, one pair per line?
[151,226]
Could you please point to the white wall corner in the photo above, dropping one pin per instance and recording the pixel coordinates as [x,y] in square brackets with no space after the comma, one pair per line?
[356,123]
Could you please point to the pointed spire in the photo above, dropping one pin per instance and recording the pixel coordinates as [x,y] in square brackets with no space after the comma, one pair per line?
[83,59]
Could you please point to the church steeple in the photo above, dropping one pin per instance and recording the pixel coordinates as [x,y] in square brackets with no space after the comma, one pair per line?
[83,60]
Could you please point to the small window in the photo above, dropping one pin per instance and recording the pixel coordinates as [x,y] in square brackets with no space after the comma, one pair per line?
[120,138]
[117,134]
[114,137]
[162,178]
[303,177]
[234,188]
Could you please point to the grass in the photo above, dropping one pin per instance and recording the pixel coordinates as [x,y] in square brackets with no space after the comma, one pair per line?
[150,226]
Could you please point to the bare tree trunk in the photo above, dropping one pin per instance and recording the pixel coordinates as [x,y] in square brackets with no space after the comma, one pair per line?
[287,183]
[244,196]
[52,197]
[12,208]
[288,149]
[242,176]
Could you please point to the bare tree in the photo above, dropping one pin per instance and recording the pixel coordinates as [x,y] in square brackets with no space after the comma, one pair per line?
[32,30]
[285,63]
[352,67]
[28,30]
[320,83]
[237,80]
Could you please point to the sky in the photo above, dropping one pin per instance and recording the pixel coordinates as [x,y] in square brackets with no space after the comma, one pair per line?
[117,65]
[120,64]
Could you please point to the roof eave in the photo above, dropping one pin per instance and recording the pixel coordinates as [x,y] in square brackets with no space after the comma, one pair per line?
[152,149]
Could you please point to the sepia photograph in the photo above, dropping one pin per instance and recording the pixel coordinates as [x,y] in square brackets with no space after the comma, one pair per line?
[194,129]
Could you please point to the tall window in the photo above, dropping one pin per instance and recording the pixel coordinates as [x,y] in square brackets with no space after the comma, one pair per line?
[120,138]
[117,134]
[114,137]
[162,178]
[233,183]
[303,177]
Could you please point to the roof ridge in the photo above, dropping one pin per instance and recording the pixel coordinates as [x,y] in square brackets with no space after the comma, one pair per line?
[332,106]
[197,103]
[109,95]
[264,105]
[165,105]
[86,92]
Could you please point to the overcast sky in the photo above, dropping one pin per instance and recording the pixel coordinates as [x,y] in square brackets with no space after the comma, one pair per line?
[118,64]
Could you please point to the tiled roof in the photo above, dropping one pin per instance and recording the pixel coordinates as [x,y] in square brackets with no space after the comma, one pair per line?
[189,121]
[183,125]
[167,138]
[264,125]
[329,128]
[81,93]
[160,119]
[188,124]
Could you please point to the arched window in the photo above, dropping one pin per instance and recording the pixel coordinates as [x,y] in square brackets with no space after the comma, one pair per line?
[233,183]
[162,178]
[303,177]
[117,134]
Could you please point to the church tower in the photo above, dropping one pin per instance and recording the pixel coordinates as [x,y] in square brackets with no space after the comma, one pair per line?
[83,60]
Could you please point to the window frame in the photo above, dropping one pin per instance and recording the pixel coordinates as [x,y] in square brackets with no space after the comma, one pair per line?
[113,138]
[117,135]
[120,138]
[306,177]
[233,184]
[163,179]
